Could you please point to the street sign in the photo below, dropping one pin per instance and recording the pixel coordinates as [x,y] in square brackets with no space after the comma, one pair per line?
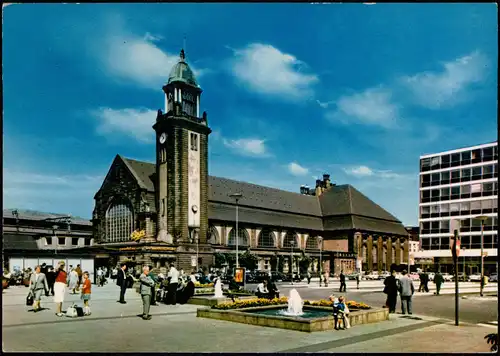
[457,248]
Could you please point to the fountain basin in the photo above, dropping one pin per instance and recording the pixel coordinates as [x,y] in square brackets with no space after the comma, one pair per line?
[268,316]
[210,299]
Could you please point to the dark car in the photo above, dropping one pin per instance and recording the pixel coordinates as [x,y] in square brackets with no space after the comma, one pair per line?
[261,276]
[277,276]
[288,277]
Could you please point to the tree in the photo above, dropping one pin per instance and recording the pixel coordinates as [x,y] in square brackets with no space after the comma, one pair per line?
[230,259]
[248,260]
[219,260]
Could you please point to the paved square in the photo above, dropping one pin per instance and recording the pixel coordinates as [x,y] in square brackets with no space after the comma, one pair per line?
[114,327]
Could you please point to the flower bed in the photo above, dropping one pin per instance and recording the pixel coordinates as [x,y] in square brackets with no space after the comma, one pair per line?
[204,291]
[260,302]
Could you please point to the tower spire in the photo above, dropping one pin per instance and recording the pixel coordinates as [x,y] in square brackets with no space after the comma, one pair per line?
[183,53]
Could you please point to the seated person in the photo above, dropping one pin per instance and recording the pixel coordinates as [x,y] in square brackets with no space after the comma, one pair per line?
[262,291]
[342,314]
[274,292]
[233,286]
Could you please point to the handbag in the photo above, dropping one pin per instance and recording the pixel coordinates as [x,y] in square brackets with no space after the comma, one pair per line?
[29,299]
[71,312]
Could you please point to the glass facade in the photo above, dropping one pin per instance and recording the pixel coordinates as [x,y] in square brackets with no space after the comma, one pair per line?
[461,184]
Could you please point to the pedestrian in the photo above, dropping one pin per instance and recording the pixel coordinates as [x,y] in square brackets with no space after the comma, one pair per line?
[342,282]
[153,276]
[38,284]
[50,275]
[121,281]
[327,277]
[79,272]
[99,277]
[426,282]
[146,286]
[173,275]
[406,290]
[73,281]
[274,292]
[86,291]
[61,278]
[343,313]
[308,277]
[421,278]
[358,279]
[105,275]
[438,281]
[391,289]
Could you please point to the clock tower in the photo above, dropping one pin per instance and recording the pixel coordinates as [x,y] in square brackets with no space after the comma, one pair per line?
[182,160]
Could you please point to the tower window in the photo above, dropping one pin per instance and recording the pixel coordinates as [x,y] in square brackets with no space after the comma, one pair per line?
[194,142]
[188,103]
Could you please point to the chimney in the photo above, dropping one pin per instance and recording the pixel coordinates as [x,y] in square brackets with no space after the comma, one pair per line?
[319,187]
[326,181]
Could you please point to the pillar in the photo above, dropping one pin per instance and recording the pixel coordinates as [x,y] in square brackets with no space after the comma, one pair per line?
[223,235]
[398,251]
[380,251]
[389,252]
[369,252]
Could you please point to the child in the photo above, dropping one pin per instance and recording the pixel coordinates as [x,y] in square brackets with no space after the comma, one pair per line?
[86,293]
[344,313]
[335,305]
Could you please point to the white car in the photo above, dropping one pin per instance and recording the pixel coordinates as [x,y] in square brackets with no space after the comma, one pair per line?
[372,276]
[447,277]
[431,276]
[476,277]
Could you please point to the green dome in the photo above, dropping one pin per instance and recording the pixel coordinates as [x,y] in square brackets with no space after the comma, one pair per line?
[182,73]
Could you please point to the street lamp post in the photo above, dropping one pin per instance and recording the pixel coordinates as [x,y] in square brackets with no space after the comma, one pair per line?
[54,228]
[237,197]
[320,240]
[482,219]
[291,258]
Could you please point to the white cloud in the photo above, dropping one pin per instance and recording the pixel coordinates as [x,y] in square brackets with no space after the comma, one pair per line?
[447,88]
[247,146]
[135,123]
[139,59]
[372,107]
[297,170]
[267,70]
[365,171]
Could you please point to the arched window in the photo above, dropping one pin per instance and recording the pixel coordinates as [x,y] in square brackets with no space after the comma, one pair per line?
[289,237]
[243,237]
[213,235]
[119,221]
[312,242]
[266,238]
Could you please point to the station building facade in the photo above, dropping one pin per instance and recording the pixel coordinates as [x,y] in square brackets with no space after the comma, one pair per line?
[182,214]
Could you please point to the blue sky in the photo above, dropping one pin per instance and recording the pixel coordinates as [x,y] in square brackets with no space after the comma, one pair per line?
[358,91]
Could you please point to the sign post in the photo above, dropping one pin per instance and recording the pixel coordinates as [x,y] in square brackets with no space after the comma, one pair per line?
[455,251]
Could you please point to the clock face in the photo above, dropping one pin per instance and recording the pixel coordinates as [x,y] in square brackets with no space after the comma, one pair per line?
[163,138]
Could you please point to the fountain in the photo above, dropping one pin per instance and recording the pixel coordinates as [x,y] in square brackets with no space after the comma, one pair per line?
[294,305]
[218,289]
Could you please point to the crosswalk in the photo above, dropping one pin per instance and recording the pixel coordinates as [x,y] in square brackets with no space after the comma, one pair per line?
[490,324]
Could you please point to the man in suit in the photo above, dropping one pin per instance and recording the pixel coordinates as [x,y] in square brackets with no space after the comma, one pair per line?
[154,277]
[38,284]
[406,290]
[121,281]
[173,274]
[146,288]
[342,281]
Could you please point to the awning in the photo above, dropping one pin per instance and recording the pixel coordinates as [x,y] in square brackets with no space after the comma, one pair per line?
[19,242]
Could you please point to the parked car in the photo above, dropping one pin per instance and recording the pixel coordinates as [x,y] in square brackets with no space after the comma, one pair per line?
[414,276]
[476,277]
[352,276]
[373,276]
[447,277]
[494,277]
[461,277]
[384,275]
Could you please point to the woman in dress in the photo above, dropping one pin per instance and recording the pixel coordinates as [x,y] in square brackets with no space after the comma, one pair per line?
[60,287]
[73,280]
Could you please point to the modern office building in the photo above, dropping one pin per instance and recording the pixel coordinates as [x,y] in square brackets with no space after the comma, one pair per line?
[460,184]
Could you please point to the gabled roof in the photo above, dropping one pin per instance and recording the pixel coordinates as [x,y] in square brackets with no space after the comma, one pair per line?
[258,196]
[142,171]
[347,200]
[26,214]
[343,206]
